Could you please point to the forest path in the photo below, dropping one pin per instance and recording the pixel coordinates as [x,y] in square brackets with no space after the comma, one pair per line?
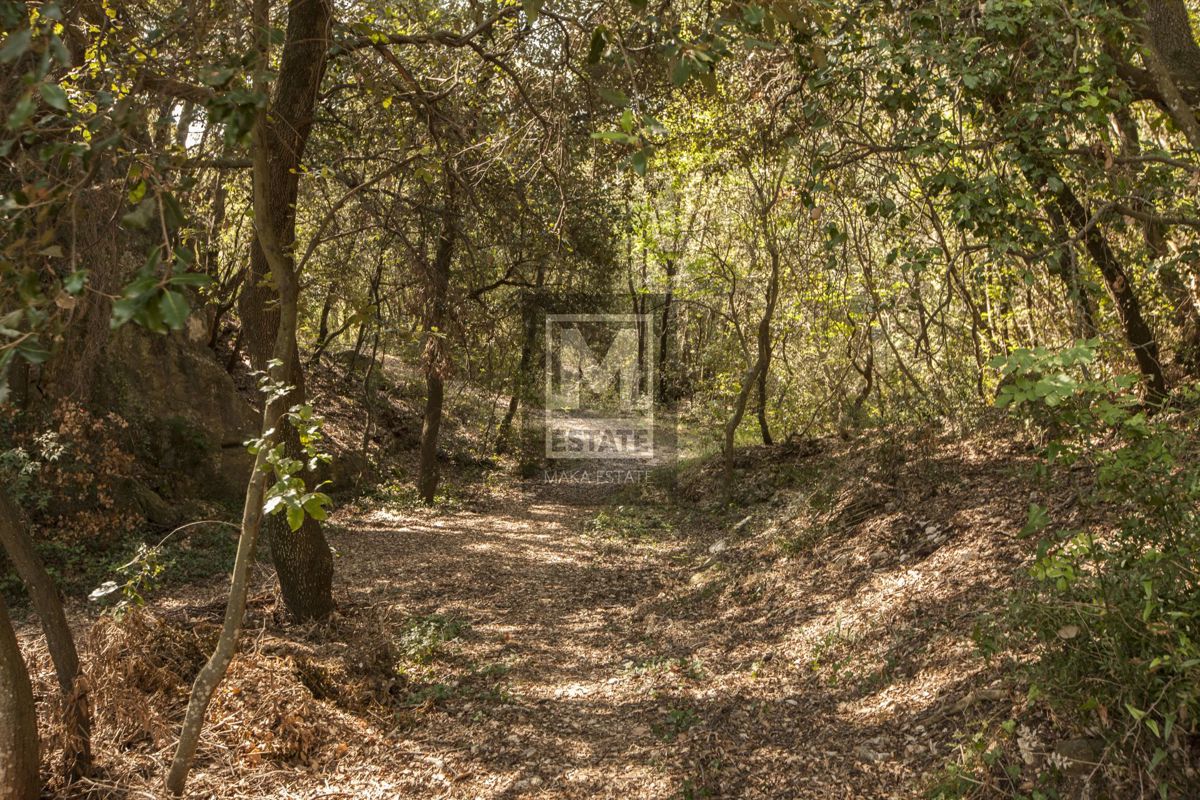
[548,701]
[604,667]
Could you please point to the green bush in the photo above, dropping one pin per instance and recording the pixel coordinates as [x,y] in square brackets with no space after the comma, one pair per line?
[1115,612]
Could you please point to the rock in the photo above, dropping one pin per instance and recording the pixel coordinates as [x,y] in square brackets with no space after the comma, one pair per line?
[188,415]
[704,577]
[717,547]
[345,472]
[1081,754]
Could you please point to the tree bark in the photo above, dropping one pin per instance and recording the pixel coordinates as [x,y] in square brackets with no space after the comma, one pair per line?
[522,381]
[18,720]
[664,332]
[757,369]
[283,273]
[436,355]
[77,725]
[302,559]
[1137,332]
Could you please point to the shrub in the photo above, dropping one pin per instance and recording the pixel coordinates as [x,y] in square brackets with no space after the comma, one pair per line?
[68,471]
[1116,612]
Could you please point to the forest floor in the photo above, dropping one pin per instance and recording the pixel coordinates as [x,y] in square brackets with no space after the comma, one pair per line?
[819,638]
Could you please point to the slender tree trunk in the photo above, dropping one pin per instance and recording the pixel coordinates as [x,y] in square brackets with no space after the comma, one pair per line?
[323,325]
[522,380]
[1067,268]
[302,558]
[763,429]
[18,719]
[14,535]
[436,355]
[272,249]
[761,360]
[664,332]
[1129,310]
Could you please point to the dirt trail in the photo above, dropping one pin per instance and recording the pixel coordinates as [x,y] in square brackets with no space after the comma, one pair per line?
[512,651]
[554,609]
[656,669]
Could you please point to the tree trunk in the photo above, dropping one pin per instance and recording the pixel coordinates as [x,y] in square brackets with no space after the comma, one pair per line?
[1129,310]
[436,355]
[664,332]
[14,535]
[757,369]
[1067,268]
[302,558]
[763,429]
[287,286]
[522,382]
[18,720]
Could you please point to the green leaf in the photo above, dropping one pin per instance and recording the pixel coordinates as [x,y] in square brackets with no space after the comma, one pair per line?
[598,43]
[639,161]
[681,72]
[614,96]
[14,46]
[21,112]
[174,309]
[33,351]
[74,283]
[1038,518]
[615,136]
[190,279]
[55,97]
[295,517]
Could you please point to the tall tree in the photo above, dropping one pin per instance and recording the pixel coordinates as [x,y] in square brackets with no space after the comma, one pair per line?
[302,558]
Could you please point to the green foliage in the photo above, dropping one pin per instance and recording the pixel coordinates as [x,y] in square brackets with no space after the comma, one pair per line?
[989,763]
[632,522]
[141,575]
[422,638]
[678,721]
[1115,609]
[290,493]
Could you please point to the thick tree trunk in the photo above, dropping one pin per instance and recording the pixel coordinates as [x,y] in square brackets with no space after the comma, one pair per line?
[14,535]
[302,558]
[18,720]
[436,355]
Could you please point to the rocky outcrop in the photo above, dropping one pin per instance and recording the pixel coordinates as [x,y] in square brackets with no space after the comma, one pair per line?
[188,421]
